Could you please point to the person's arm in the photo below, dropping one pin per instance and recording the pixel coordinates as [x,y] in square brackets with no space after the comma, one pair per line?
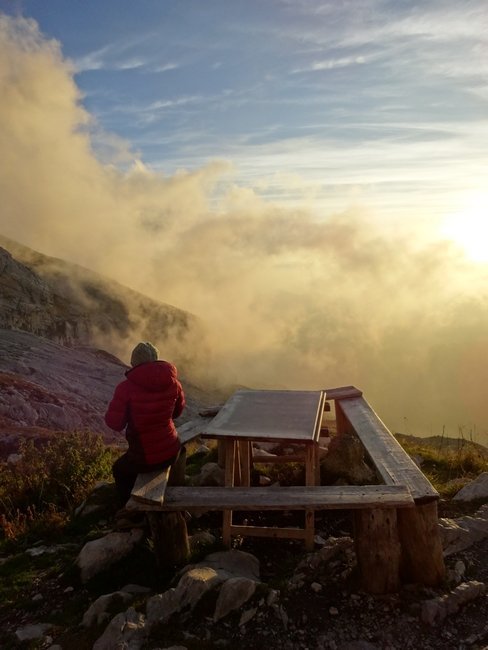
[180,402]
[117,414]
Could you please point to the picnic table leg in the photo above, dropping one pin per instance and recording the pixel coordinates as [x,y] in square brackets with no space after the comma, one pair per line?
[168,529]
[245,462]
[310,480]
[229,482]
[378,549]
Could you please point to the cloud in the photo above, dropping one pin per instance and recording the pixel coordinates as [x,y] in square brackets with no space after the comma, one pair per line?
[291,298]
[331,64]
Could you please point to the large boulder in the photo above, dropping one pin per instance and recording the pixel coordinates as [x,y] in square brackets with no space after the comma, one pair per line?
[239,569]
[477,489]
[100,554]
[126,630]
[345,460]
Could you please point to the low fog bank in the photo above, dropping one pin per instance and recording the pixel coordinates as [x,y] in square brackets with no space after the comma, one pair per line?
[288,299]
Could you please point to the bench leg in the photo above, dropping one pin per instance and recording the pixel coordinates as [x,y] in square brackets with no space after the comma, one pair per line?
[168,529]
[310,480]
[170,538]
[422,555]
[378,549]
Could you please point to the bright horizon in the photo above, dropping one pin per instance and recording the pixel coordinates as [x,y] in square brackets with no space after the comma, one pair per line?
[312,173]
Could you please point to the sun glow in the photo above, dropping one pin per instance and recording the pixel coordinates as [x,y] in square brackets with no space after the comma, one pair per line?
[469,228]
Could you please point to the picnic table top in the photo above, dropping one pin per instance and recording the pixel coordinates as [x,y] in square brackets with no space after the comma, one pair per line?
[269,415]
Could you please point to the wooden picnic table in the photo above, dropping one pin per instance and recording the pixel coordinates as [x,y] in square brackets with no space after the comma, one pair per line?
[395,520]
[279,416]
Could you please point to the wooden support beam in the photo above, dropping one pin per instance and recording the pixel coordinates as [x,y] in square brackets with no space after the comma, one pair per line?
[377,549]
[422,555]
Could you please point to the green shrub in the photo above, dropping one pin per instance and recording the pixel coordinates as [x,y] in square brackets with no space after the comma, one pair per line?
[51,480]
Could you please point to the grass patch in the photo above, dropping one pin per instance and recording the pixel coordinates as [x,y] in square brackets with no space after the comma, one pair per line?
[448,467]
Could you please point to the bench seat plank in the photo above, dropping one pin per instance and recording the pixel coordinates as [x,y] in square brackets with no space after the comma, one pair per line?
[283,498]
[150,487]
[392,462]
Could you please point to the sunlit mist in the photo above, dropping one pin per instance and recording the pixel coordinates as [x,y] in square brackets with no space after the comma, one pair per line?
[291,296]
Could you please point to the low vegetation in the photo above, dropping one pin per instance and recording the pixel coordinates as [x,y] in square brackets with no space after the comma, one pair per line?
[448,463]
[40,491]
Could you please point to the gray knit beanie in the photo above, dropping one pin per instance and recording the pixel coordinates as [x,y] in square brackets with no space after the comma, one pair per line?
[143,353]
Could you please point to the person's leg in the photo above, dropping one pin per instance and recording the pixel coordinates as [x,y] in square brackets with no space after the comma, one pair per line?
[178,465]
[125,476]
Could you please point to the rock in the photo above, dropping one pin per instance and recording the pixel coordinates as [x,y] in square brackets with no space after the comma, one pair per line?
[460,533]
[264,480]
[98,555]
[31,632]
[196,582]
[233,594]
[201,539]
[97,613]
[126,630]
[13,459]
[435,610]
[198,579]
[316,586]
[477,489]
[234,563]
[247,616]
[136,589]
[100,500]
[346,460]
[210,475]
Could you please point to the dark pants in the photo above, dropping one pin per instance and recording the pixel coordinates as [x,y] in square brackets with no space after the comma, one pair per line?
[125,472]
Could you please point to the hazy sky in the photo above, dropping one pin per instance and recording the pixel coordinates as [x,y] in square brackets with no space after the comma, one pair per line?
[307,177]
[377,103]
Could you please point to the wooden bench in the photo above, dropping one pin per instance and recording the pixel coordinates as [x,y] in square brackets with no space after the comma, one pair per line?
[417,531]
[395,523]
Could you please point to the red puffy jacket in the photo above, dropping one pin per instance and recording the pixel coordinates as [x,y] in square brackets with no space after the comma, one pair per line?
[146,403]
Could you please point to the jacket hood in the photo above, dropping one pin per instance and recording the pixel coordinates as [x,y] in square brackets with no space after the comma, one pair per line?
[154,376]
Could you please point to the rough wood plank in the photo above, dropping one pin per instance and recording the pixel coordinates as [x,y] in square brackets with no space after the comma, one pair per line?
[282,415]
[392,462]
[268,531]
[151,486]
[343,392]
[338,497]
[191,430]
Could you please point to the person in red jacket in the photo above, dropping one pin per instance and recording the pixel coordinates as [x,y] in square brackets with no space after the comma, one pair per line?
[146,404]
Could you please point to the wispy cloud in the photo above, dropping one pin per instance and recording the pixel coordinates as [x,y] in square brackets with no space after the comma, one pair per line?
[330,64]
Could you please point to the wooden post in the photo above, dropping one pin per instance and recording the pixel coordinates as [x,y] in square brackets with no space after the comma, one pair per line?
[422,559]
[230,446]
[342,423]
[245,456]
[377,549]
[310,480]
[168,529]
[221,453]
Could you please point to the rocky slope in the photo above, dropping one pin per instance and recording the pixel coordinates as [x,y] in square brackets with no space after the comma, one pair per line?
[54,319]
[69,304]
[47,387]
